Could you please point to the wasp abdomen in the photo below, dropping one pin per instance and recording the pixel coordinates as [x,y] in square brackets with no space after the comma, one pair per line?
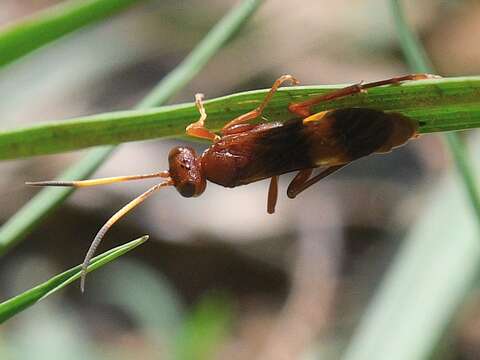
[364,131]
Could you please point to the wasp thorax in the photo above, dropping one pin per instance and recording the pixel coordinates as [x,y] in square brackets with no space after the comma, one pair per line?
[186,171]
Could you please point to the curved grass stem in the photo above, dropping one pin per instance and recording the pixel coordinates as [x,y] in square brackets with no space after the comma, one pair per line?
[439,105]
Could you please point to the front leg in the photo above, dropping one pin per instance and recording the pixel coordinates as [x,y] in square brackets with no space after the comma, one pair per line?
[198,129]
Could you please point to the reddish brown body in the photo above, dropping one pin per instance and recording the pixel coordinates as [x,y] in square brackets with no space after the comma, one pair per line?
[267,150]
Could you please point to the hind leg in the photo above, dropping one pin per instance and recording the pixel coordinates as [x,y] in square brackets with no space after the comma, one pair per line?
[303,180]
[303,108]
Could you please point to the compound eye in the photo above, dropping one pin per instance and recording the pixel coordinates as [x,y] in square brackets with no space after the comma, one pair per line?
[187,189]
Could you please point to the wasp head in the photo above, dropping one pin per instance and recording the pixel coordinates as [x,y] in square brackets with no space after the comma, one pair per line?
[186,171]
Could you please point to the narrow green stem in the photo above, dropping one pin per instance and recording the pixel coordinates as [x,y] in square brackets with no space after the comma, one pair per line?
[46,26]
[220,34]
[413,50]
[438,105]
[17,304]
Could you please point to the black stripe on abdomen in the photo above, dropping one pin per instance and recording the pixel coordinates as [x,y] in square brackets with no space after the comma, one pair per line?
[361,131]
[284,149]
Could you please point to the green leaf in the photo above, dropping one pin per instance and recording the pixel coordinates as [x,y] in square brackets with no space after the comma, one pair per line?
[44,27]
[14,230]
[20,302]
[439,105]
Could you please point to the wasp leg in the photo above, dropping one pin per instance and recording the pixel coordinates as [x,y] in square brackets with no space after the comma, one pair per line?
[272,195]
[303,181]
[303,108]
[198,129]
[299,179]
[244,118]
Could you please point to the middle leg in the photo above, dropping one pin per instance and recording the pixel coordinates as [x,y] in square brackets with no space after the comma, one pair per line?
[244,118]
[272,194]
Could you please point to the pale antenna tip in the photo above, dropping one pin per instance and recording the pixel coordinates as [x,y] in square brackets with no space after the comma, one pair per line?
[83,274]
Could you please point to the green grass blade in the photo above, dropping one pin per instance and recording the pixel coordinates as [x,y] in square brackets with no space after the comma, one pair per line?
[436,266]
[414,53]
[218,36]
[21,302]
[429,278]
[439,105]
[14,230]
[46,26]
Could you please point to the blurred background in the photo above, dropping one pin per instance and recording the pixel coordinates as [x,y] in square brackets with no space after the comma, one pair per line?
[220,278]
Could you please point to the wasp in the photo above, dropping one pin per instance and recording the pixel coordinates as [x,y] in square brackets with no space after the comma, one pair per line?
[246,152]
